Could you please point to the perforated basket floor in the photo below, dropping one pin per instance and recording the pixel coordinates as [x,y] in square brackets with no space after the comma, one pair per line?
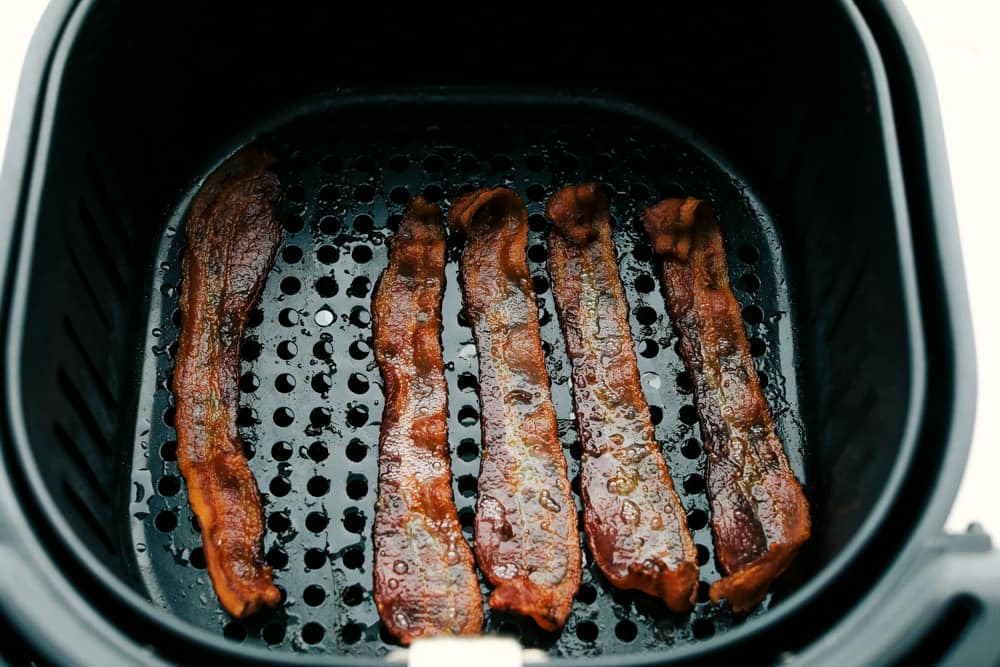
[312,394]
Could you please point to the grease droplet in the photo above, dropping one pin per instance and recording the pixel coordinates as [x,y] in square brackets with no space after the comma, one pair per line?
[506,570]
[546,500]
[621,486]
[630,512]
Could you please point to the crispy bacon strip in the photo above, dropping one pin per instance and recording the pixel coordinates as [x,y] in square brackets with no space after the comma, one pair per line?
[425,578]
[232,237]
[634,520]
[760,516]
[526,537]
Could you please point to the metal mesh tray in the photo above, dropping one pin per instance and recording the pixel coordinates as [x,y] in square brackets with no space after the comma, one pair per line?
[311,393]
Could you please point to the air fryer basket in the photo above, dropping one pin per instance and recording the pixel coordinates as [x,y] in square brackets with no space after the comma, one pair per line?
[783,119]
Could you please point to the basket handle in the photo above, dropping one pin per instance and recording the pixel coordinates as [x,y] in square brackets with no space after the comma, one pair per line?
[943,610]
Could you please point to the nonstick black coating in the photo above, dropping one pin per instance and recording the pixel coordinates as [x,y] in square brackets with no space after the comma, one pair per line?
[312,395]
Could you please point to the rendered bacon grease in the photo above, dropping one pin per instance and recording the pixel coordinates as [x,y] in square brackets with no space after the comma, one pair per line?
[526,538]
[760,516]
[425,579]
[635,524]
[232,237]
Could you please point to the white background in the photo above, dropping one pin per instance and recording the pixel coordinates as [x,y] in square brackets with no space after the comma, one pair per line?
[963,41]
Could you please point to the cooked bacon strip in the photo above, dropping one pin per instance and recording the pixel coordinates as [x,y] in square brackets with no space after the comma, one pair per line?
[526,537]
[634,520]
[232,236]
[425,577]
[760,516]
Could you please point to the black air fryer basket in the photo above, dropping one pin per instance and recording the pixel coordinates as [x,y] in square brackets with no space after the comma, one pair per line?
[811,127]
